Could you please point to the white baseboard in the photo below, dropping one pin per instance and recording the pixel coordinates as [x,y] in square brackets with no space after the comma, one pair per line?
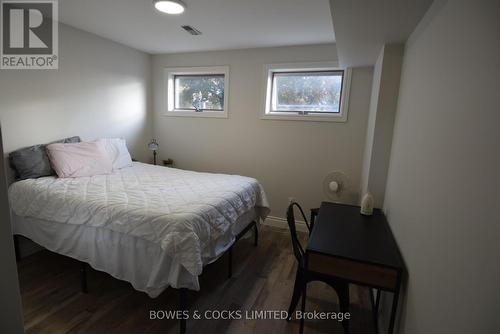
[282,223]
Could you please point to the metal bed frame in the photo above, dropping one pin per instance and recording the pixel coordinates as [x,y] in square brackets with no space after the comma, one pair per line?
[182,291]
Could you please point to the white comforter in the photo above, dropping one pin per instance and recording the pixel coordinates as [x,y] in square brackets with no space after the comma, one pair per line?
[184,212]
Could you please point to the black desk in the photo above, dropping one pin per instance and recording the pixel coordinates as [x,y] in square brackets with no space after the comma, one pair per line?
[359,249]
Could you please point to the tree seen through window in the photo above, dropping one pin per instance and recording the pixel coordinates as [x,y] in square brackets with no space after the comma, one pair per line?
[199,92]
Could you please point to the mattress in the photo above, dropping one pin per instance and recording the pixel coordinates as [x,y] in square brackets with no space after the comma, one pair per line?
[149,225]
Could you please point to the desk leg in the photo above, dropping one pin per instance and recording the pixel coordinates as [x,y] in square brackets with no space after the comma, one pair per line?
[394,310]
[375,300]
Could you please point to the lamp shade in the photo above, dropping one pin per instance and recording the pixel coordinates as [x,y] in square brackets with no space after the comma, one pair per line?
[153,145]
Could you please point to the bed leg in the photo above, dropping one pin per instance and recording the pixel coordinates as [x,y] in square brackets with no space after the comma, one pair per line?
[83,276]
[230,262]
[183,307]
[255,234]
[16,247]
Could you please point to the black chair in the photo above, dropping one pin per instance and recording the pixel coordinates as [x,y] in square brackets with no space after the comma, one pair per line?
[314,214]
[304,276]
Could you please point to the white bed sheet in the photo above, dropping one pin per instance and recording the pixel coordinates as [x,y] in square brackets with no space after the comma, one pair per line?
[140,262]
[149,225]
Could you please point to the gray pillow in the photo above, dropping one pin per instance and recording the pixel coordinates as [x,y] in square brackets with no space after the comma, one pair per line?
[32,162]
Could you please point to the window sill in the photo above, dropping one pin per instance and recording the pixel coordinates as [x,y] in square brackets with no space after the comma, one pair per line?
[311,118]
[203,114]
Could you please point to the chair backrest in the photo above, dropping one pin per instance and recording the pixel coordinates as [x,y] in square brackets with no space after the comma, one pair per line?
[290,218]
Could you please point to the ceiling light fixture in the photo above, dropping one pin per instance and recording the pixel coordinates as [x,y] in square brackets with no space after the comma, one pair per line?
[170,6]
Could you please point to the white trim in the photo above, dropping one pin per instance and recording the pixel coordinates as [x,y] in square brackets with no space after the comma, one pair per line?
[269,69]
[282,223]
[170,72]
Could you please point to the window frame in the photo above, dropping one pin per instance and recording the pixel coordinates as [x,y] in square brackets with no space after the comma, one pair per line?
[172,72]
[271,69]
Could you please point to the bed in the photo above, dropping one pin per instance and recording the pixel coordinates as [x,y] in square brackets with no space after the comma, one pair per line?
[149,225]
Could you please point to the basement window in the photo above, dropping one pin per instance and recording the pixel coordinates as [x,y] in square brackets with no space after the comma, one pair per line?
[197,91]
[311,92]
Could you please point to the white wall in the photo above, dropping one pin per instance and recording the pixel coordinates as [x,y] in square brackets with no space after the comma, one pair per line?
[290,158]
[370,129]
[11,317]
[383,104]
[443,194]
[101,89]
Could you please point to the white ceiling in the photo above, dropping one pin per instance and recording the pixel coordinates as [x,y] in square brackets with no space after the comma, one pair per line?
[225,24]
[362,27]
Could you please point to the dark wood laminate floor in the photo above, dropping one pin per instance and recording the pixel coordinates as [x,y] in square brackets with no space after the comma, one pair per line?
[263,278]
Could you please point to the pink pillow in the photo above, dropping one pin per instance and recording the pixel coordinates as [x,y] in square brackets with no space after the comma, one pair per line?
[79,159]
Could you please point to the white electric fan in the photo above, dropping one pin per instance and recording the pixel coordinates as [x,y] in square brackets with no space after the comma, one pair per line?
[334,185]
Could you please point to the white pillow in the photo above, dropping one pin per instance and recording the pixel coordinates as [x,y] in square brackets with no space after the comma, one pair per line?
[117,151]
[79,159]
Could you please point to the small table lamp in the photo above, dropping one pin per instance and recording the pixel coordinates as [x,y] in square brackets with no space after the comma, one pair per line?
[153,146]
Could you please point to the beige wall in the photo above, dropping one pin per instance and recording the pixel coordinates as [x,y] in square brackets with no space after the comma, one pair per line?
[443,194]
[100,90]
[290,158]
